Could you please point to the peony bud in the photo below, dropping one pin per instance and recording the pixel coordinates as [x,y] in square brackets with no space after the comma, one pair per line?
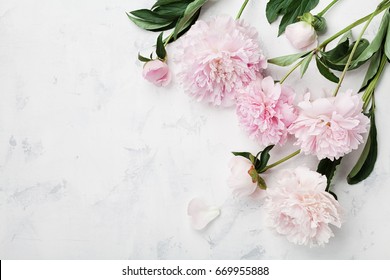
[319,24]
[240,179]
[157,72]
[301,35]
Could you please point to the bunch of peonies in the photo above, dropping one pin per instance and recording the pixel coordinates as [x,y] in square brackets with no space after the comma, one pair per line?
[265,110]
[219,58]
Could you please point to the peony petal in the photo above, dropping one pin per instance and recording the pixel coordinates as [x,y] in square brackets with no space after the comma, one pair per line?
[201,214]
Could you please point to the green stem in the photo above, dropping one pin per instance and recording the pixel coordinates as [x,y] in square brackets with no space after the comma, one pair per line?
[327,8]
[368,93]
[168,39]
[352,54]
[383,6]
[242,9]
[281,161]
[291,70]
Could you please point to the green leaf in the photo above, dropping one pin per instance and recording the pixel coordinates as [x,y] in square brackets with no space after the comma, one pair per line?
[339,52]
[151,26]
[325,71]
[287,59]
[186,27]
[376,42]
[291,10]
[328,167]
[305,64]
[372,70]
[387,43]
[169,2]
[172,11]
[189,13]
[150,16]
[295,10]
[264,158]
[160,48]
[337,60]
[365,164]
[244,154]
[275,8]
[143,59]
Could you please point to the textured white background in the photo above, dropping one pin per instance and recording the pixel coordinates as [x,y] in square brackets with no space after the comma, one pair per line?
[95,163]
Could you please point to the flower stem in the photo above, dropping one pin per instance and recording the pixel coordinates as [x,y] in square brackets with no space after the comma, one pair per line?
[291,70]
[320,14]
[352,54]
[281,161]
[383,6]
[242,9]
[166,41]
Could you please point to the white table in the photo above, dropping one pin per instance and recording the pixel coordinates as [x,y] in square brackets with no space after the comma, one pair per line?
[96,163]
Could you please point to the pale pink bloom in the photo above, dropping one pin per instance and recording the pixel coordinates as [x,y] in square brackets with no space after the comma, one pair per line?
[218,58]
[301,35]
[299,208]
[240,180]
[201,214]
[157,72]
[330,127]
[266,110]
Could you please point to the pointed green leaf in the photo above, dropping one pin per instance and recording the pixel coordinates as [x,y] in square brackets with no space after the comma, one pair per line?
[372,70]
[172,11]
[376,42]
[143,59]
[338,60]
[160,48]
[287,59]
[169,2]
[305,64]
[264,158]
[185,28]
[387,43]
[275,8]
[149,16]
[147,25]
[189,13]
[325,71]
[328,167]
[365,164]
[294,11]
[244,154]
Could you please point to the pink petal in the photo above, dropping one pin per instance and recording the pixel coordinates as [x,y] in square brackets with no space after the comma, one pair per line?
[201,214]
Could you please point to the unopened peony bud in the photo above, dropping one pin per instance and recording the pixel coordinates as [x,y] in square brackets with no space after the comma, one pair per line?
[157,72]
[240,179]
[301,35]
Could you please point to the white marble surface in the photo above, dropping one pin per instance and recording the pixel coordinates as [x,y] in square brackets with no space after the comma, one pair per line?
[95,163]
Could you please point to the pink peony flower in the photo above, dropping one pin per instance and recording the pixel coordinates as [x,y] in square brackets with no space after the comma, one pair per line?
[240,180]
[157,72]
[219,58]
[301,35]
[201,214]
[266,110]
[330,127]
[300,209]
